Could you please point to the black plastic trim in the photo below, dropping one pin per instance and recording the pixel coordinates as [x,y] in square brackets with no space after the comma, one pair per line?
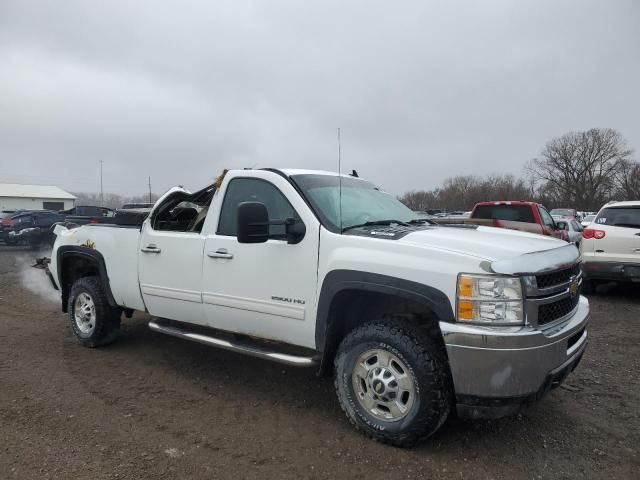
[340,280]
[85,252]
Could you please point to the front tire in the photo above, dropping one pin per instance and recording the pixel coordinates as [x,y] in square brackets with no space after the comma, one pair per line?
[94,322]
[393,382]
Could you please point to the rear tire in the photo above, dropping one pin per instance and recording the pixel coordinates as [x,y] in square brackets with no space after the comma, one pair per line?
[393,382]
[94,322]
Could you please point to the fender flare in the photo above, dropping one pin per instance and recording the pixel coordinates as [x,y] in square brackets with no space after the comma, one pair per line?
[68,251]
[337,281]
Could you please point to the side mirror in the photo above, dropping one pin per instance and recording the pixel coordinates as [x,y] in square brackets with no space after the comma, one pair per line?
[253,222]
[295,230]
[562,226]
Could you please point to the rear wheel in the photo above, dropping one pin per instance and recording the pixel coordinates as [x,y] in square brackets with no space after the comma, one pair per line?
[93,321]
[393,382]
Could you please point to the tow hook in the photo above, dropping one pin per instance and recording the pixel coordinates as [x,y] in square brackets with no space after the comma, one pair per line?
[42,263]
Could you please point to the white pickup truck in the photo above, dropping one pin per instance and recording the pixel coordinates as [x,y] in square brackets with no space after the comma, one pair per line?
[415,320]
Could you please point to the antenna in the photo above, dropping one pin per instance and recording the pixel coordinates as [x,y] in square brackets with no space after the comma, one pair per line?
[149,188]
[101,191]
[340,180]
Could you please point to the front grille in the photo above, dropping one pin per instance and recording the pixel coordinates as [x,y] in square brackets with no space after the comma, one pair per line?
[547,280]
[550,312]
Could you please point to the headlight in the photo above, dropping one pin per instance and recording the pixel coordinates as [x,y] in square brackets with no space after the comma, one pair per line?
[489,300]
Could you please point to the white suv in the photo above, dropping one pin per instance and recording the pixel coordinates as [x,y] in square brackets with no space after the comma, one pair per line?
[611,245]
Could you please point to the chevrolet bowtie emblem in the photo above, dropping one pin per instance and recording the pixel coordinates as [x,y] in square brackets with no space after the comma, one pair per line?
[573,287]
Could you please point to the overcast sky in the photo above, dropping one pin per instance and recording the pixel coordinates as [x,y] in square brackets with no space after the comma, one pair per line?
[421,90]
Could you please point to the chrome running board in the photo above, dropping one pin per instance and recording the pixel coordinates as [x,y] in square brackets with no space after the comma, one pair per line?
[260,351]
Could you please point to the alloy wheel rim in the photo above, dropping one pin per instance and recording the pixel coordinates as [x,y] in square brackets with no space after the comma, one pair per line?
[84,313]
[384,385]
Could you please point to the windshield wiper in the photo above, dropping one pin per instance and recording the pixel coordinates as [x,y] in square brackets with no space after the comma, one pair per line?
[374,223]
[418,221]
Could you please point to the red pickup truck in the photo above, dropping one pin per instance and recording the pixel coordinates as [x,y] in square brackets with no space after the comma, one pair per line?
[515,215]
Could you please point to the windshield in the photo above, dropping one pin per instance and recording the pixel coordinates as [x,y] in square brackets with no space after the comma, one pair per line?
[514,213]
[628,217]
[362,201]
[562,212]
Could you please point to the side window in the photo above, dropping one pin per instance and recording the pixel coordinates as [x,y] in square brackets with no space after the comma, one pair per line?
[178,216]
[254,190]
[546,218]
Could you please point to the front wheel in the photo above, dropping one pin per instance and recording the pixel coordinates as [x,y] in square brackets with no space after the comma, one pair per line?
[393,382]
[93,321]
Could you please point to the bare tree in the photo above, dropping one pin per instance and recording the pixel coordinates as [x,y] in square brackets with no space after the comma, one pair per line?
[463,192]
[579,169]
[628,181]
[112,200]
[419,200]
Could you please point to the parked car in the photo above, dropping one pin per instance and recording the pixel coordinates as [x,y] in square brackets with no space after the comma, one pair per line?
[132,206]
[573,229]
[7,223]
[611,245]
[514,215]
[413,319]
[83,214]
[33,228]
[564,213]
[588,219]
[131,216]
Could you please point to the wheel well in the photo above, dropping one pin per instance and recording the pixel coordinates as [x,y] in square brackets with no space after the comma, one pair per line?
[352,308]
[72,268]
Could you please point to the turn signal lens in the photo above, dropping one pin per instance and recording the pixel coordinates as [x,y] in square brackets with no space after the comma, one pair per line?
[465,310]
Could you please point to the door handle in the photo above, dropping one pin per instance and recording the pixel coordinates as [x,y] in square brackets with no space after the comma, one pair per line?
[637,234]
[151,248]
[220,253]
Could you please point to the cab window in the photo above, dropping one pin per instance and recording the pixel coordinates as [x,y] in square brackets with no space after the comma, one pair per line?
[254,190]
[546,218]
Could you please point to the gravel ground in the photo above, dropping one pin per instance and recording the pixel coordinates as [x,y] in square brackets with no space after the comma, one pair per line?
[152,406]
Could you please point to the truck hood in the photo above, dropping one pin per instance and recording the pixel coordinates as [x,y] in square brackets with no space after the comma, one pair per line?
[504,248]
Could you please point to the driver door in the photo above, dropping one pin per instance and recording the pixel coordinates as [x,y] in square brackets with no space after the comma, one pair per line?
[262,289]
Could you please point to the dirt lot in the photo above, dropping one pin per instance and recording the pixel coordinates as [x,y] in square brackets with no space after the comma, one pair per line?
[152,406]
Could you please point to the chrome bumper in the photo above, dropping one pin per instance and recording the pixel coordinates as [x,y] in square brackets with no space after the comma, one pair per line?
[490,363]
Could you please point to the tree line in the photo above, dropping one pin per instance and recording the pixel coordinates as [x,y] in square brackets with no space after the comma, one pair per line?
[581,170]
[111,200]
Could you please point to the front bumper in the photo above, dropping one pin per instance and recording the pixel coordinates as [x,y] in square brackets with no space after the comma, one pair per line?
[495,371]
[615,271]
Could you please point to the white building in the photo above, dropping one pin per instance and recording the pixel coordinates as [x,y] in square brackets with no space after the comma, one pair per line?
[34,197]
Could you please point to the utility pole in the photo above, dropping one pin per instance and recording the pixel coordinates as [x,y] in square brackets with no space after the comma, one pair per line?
[101,190]
[149,188]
